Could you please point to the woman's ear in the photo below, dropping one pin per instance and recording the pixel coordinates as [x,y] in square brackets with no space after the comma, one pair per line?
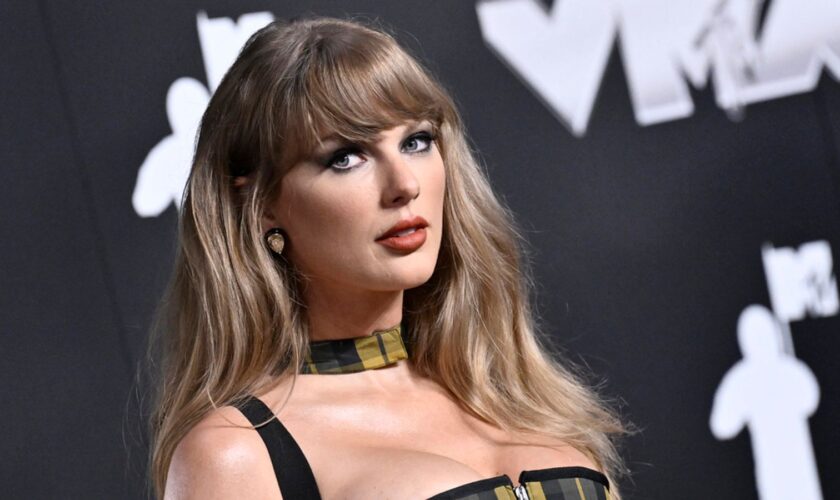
[269,220]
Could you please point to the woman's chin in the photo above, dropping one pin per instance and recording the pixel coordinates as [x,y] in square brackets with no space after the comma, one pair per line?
[407,281]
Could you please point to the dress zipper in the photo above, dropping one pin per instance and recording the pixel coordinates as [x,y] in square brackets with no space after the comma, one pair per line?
[521,492]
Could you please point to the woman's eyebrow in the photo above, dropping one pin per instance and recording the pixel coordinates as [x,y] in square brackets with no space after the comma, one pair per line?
[325,144]
[328,142]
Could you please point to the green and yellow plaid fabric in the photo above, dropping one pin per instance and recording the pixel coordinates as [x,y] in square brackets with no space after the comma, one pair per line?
[556,489]
[379,349]
[558,483]
[569,488]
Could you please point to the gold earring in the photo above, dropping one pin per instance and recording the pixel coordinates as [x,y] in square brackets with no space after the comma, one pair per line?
[275,238]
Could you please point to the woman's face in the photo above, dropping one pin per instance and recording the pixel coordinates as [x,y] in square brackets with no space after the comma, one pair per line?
[366,216]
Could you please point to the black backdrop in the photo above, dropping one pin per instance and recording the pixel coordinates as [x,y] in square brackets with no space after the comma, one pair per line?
[646,241]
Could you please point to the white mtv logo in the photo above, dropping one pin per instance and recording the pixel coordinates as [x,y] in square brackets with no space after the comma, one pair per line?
[801,281]
[562,54]
[164,172]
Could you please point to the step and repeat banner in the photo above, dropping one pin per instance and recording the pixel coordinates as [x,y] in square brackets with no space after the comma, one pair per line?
[674,165]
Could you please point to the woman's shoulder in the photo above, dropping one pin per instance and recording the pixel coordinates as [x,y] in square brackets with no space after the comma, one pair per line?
[221,457]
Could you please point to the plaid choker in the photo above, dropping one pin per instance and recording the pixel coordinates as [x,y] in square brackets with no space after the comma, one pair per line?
[379,349]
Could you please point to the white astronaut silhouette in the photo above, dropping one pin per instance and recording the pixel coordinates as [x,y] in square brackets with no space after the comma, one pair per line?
[164,172]
[773,394]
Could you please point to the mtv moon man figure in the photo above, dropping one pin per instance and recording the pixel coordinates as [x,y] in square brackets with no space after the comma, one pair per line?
[773,394]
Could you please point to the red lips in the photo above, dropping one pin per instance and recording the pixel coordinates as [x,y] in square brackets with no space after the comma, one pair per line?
[406,235]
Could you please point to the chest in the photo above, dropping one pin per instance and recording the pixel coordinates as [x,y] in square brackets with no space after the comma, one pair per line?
[411,448]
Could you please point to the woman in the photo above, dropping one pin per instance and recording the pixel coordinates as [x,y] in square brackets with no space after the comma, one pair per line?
[348,284]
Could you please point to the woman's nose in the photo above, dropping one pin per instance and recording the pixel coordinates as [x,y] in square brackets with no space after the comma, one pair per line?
[401,185]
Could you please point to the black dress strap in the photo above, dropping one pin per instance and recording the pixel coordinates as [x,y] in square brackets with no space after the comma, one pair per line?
[294,475]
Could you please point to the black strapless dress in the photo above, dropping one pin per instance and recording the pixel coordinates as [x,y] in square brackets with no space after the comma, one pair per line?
[294,475]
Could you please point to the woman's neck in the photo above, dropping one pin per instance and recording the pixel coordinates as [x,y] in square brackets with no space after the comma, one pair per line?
[338,312]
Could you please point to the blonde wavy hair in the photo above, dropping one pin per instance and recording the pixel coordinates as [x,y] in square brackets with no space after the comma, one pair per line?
[232,322]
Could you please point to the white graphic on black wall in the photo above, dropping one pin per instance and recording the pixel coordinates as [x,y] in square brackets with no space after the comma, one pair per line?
[800,281]
[561,54]
[163,174]
[770,391]
[773,394]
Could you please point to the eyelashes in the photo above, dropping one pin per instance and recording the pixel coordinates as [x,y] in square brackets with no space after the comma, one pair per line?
[423,137]
[342,160]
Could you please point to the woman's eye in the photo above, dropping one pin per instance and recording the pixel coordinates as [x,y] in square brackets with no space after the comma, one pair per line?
[345,160]
[418,142]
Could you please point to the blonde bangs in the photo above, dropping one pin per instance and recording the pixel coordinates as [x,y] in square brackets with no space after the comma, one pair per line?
[353,91]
